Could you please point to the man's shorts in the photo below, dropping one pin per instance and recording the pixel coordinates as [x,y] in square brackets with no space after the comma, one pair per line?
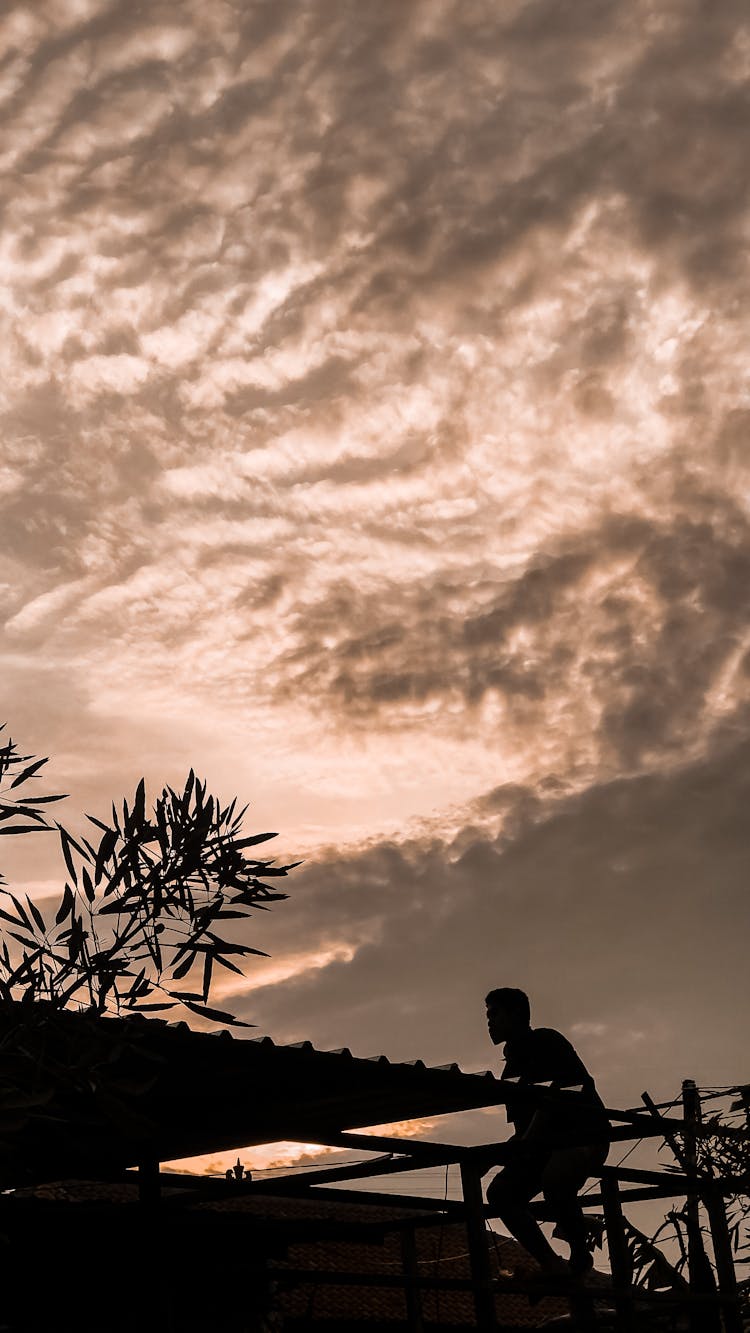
[559,1173]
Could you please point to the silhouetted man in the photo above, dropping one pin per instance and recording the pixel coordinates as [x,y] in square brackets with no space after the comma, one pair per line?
[556,1145]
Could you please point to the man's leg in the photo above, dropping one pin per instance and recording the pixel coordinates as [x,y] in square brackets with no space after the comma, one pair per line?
[565,1172]
[509,1195]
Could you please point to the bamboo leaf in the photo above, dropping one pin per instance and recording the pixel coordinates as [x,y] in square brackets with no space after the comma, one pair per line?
[224,947]
[231,967]
[88,886]
[6,916]
[252,842]
[139,807]
[21,911]
[24,940]
[23,828]
[44,800]
[36,915]
[24,811]
[184,967]
[207,970]
[149,1008]
[217,1015]
[28,772]
[66,840]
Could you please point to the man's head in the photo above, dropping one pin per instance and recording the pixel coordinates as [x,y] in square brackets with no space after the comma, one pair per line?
[508,1013]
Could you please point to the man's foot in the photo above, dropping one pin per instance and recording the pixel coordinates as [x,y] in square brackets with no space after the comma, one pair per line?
[581,1261]
[547,1283]
[555,1266]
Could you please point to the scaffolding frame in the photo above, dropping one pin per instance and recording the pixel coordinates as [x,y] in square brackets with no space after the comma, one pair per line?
[618,1185]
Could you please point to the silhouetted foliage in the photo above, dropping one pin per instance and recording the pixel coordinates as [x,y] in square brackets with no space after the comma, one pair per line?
[731,1157]
[15,771]
[716,1157]
[142,907]
[651,1268]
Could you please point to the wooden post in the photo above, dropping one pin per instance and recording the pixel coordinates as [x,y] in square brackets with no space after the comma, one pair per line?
[156,1315]
[149,1186]
[619,1257]
[702,1318]
[479,1260]
[414,1319]
[691,1112]
[730,1310]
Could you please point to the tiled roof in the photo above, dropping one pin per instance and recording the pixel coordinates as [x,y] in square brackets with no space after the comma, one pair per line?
[314,1248]
[440,1252]
[309,1208]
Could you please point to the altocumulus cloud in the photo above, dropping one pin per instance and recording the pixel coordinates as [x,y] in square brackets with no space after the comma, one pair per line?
[629,639]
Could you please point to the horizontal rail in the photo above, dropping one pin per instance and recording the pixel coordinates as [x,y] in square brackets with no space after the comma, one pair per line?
[537,1286]
[635,1126]
[334,1277]
[453,1208]
[430,1154]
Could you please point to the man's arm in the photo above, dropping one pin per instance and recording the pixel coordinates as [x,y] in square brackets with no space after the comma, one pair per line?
[493,1154]
[539,1131]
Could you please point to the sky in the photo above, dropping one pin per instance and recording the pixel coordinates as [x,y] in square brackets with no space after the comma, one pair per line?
[375,404]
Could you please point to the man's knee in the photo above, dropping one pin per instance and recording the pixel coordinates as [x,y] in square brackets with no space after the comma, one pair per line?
[495,1189]
[560,1197]
[566,1173]
[506,1194]
[560,1193]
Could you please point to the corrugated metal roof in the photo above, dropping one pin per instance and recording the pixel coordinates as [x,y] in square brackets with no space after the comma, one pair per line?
[127,1089]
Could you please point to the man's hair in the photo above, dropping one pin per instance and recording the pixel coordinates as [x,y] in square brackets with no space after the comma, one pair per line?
[510,998]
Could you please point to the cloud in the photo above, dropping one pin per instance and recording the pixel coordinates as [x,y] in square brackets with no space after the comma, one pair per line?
[622,911]
[630,636]
[373,417]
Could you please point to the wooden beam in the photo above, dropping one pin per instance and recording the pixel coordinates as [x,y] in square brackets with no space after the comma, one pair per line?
[410,1267]
[683,1184]
[619,1257]
[663,1126]
[440,1208]
[479,1259]
[724,1261]
[700,1272]
[347,1171]
[636,1195]
[449,1152]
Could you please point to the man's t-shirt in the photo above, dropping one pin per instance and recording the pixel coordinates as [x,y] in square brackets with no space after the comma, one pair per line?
[543,1055]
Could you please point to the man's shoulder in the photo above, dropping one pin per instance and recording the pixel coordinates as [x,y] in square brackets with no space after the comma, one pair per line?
[551,1039]
[551,1048]
[537,1051]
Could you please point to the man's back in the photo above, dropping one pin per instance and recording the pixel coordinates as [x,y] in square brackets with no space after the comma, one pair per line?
[543,1055]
